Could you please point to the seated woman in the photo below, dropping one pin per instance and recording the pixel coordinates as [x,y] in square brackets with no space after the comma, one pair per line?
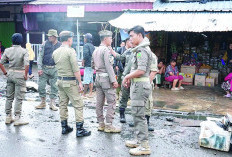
[160,73]
[172,75]
[227,85]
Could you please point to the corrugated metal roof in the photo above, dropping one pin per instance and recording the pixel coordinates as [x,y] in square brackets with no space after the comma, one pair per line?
[193,6]
[38,2]
[176,21]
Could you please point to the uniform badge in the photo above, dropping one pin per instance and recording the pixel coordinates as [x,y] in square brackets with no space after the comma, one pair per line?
[139,55]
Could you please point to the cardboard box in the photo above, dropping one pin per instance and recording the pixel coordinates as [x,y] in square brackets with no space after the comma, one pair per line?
[216,76]
[200,80]
[187,81]
[210,82]
[188,69]
[204,71]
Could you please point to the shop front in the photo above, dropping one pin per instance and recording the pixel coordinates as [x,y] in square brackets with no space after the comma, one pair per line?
[195,35]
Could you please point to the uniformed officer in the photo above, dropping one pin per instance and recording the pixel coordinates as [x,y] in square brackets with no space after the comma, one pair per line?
[18,58]
[125,92]
[140,90]
[47,71]
[102,62]
[68,72]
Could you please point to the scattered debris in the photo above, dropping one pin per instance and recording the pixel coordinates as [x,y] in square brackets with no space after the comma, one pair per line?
[32,86]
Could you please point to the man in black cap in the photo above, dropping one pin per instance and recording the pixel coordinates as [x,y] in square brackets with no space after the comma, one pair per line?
[16,78]
[88,72]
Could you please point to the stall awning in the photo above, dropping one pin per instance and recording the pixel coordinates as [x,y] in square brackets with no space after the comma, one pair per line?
[175,21]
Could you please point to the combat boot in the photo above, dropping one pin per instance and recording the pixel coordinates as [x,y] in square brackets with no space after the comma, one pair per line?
[9,119]
[142,149]
[42,105]
[52,105]
[101,126]
[81,131]
[109,128]
[148,123]
[122,115]
[132,143]
[65,128]
[19,121]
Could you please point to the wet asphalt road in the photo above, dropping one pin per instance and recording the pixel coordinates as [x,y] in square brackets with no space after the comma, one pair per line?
[42,137]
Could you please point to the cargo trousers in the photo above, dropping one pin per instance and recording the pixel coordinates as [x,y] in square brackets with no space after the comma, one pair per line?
[124,97]
[139,94]
[16,88]
[49,75]
[149,103]
[104,89]
[69,91]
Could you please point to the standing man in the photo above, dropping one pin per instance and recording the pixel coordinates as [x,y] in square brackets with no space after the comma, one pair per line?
[68,72]
[125,92]
[140,91]
[47,71]
[16,78]
[88,72]
[106,82]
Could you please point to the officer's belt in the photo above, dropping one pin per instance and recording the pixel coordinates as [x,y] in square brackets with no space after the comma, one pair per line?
[141,79]
[66,78]
[14,70]
[103,74]
[49,67]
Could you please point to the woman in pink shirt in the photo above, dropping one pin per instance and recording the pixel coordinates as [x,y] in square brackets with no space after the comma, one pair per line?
[172,75]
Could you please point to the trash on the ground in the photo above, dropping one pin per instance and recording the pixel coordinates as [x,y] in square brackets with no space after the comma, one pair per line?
[216,133]
[32,86]
[170,119]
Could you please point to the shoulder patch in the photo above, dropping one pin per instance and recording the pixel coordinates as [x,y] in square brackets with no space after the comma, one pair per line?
[139,55]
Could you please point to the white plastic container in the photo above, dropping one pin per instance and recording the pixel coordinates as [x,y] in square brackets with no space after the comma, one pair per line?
[214,137]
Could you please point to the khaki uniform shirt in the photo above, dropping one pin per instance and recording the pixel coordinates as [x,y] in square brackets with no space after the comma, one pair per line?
[18,57]
[102,62]
[142,61]
[65,61]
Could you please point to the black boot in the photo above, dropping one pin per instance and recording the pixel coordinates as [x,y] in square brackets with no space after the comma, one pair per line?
[148,123]
[122,115]
[65,128]
[81,131]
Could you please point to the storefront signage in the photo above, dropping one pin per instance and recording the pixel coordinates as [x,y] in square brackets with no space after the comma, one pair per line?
[75,11]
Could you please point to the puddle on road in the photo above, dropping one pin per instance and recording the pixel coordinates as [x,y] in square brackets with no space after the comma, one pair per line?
[159,104]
